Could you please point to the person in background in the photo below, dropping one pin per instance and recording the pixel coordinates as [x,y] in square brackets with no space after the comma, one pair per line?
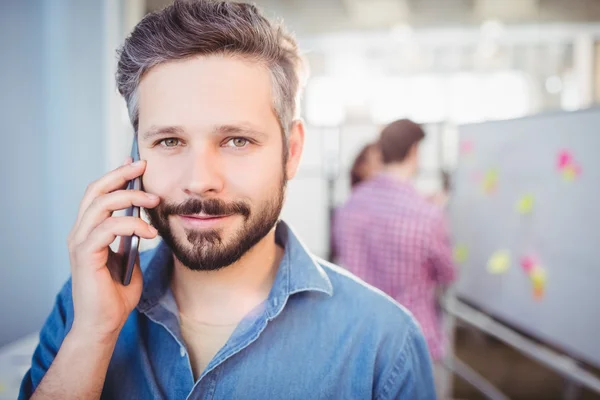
[395,239]
[441,198]
[366,165]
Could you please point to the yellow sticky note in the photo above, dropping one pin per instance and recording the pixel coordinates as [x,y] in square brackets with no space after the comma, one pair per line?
[538,281]
[499,262]
[538,277]
[525,204]
[490,181]
[569,173]
[2,388]
[461,253]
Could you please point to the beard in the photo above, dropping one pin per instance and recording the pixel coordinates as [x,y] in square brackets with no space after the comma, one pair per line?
[207,249]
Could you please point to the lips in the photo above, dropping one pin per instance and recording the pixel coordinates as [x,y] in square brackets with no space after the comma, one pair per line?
[197,221]
[204,216]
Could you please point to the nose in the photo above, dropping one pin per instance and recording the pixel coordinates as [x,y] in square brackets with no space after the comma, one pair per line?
[204,174]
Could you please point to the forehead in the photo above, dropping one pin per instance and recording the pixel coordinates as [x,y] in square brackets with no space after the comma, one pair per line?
[206,91]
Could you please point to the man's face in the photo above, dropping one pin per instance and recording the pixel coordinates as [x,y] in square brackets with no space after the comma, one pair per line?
[214,152]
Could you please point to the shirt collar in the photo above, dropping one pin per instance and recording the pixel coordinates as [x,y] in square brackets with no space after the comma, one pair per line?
[386,179]
[298,271]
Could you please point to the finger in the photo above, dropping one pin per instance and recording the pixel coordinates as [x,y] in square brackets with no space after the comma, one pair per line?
[102,208]
[116,269]
[114,180]
[101,237]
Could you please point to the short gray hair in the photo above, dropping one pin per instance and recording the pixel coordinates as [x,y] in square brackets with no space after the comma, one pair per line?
[207,27]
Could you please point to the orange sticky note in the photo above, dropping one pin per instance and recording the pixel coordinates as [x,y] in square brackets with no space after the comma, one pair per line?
[538,293]
[538,282]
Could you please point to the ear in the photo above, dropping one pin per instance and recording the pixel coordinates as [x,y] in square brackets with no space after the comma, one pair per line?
[414,151]
[296,145]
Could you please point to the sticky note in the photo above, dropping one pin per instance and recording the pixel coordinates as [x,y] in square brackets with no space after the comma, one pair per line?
[538,293]
[567,165]
[571,171]
[466,147]
[528,263]
[461,253]
[490,181]
[525,204]
[564,159]
[499,262]
[538,281]
[2,388]
[538,277]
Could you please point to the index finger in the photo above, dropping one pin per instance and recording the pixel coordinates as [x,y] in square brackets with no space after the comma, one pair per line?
[114,180]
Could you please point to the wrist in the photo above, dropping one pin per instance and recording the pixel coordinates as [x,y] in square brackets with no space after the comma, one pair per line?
[88,337]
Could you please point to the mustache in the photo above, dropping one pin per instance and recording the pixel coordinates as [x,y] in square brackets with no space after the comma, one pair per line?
[214,207]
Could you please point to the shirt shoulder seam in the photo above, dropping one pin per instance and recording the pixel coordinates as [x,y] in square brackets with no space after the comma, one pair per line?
[397,367]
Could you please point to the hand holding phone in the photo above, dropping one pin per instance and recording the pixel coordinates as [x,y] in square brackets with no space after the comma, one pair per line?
[102,303]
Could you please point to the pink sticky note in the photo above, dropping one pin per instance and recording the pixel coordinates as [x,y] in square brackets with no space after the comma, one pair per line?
[528,263]
[564,158]
[466,146]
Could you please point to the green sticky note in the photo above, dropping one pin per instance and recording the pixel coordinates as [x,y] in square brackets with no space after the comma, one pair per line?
[499,262]
[525,204]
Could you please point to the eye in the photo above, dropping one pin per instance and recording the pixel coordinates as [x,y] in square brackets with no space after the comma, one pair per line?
[237,142]
[169,142]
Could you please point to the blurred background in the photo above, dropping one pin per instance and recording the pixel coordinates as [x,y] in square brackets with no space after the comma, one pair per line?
[441,63]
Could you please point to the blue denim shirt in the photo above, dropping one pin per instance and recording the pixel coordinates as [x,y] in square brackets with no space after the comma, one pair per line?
[321,334]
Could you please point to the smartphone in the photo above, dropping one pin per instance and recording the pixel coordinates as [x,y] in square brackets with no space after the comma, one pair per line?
[129,245]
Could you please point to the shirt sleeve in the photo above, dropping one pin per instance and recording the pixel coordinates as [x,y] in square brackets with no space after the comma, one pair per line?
[440,255]
[412,375]
[52,335]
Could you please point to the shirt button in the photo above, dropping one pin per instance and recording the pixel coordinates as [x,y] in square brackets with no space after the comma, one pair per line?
[182,351]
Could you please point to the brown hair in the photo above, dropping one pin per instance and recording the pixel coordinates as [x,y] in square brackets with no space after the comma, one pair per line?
[361,158]
[397,139]
[206,27]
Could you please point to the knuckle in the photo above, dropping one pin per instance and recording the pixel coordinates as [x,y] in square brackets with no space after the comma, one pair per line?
[110,223]
[91,188]
[98,202]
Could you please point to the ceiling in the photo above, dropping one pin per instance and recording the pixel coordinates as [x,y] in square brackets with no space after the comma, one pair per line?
[309,17]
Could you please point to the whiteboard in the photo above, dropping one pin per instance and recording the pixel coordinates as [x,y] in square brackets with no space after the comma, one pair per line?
[560,230]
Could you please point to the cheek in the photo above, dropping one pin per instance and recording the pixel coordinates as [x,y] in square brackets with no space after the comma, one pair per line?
[254,176]
[157,180]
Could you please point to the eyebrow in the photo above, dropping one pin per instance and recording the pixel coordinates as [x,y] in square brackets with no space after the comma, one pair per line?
[161,131]
[223,130]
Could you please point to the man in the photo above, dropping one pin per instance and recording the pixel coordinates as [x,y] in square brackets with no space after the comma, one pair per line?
[230,305]
[396,240]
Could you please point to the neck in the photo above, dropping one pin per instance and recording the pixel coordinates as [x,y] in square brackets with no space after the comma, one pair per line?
[227,295]
[402,172]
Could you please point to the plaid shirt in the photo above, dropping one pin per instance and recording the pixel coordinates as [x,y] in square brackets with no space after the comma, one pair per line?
[392,238]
